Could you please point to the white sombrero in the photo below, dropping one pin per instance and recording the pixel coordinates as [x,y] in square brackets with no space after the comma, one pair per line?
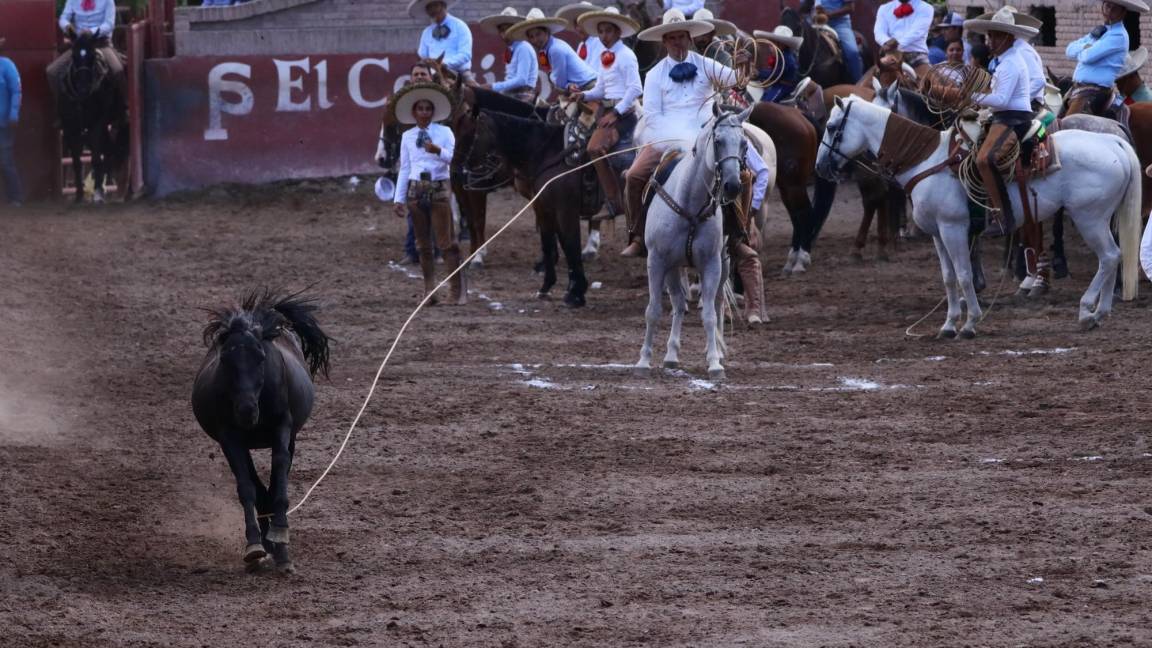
[1133,62]
[417,8]
[723,27]
[385,189]
[409,95]
[781,36]
[570,13]
[591,20]
[674,21]
[533,19]
[1139,6]
[1004,20]
[954,20]
[492,24]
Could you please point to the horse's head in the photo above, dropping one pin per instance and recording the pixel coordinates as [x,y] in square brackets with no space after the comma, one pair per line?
[477,138]
[887,96]
[85,68]
[239,340]
[725,156]
[844,138]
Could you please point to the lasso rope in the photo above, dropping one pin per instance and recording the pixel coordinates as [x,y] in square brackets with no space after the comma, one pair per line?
[424,302]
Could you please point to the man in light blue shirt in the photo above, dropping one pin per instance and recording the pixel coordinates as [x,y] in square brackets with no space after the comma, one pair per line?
[839,13]
[446,36]
[1099,58]
[520,65]
[689,7]
[565,69]
[99,18]
[9,116]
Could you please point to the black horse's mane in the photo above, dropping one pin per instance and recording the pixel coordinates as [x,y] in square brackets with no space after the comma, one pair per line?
[270,311]
[493,101]
[521,138]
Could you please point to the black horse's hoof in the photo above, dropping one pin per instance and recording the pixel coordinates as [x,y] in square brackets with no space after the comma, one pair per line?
[1060,267]
[254,552]
[574,301]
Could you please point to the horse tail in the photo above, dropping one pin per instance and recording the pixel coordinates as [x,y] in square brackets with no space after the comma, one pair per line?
[300,313]
[1128,222]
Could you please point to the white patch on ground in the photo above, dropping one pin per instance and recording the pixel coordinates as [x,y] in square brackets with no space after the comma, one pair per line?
[700,385]
[542,383]
[928,359]
[785,365]
[597,285]
[1089,458]
[1030,352]
[396,267]
[1035,581]
[991,460]
[610,366]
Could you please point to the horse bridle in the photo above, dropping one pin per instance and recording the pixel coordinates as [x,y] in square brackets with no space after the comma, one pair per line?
[716,196]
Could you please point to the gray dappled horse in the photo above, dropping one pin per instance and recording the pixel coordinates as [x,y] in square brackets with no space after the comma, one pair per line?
[685,229]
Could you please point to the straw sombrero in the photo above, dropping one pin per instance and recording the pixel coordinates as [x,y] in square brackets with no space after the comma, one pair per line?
[591,20]
[570,13]
[533,19]
[409,95]
[674,21]
[416,8]
[492,24]
[1004,20]
[782,35]
[723,27]
[1139,6]
[1132,63]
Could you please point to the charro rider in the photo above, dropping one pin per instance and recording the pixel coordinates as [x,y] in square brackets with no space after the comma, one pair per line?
[97,17]
[423,187]
[1099,58]
[589,47]
[678,101]
[903,26]
[446,36]
[1129,83]
[1009,101]
[520,65]
[616,92]
[565,69]
[787,43]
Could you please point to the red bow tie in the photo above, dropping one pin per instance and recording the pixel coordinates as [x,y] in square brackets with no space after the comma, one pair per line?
[904,10]
[507,55]
[542,59]
[582,51]
[88,5]
[607,58]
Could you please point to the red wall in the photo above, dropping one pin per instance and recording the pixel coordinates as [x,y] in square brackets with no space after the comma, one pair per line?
[30,29]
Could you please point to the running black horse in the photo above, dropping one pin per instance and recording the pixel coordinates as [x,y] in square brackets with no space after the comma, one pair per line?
[93,114]
[254,391]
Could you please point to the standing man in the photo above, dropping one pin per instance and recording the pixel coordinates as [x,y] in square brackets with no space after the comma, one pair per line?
[678,101]
[520,65]
[617,91]
[565,69]
[903,26]
[1099,58]
[9,116]
[589,47]
[839,13]
[446,36]
[1129,82]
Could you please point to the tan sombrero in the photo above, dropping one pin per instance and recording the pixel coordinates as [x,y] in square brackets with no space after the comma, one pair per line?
[570,13]
[591,20]
[781,36]
[416,8]
[1132,63]
[1004,20]
[722,27]
[533,19]
[1139,6]
[492,24]
[409,95]
[674,21]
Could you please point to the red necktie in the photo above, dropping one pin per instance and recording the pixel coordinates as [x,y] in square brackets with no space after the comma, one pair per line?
[507,55]
[88,5]
[582,52]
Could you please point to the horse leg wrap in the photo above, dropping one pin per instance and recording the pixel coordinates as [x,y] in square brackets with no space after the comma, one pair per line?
[278,534]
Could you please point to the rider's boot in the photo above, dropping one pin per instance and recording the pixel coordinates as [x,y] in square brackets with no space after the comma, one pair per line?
[752,276]
[636,218]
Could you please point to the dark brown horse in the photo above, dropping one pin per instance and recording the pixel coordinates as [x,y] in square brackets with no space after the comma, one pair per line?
[818,59]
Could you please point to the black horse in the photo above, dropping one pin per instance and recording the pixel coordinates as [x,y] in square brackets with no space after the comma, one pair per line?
[535,151]
[254,390]
[93,114]
[817,58]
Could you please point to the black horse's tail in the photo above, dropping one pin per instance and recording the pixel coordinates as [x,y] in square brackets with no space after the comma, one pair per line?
[300,313]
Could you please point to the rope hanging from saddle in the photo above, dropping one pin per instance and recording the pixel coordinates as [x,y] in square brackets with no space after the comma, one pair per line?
[969,174]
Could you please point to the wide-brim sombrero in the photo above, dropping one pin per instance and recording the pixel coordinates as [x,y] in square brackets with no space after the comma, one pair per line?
[1132,63]
[570,13]
[492,24]
[1139,6]
[591,20]
[1004,20]
[416,8]
[535,18]
[675,21]
[721,26]
[409,95]
[781,36]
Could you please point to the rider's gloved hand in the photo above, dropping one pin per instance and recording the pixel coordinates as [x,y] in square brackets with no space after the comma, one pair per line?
[1099,31]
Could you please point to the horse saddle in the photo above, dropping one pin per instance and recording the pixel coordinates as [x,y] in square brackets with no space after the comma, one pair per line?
[579,120]
[808,97]
[832,39]
[660,176]
[1037,149]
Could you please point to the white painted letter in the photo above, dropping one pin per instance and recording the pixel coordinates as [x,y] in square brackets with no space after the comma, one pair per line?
[218,85]
[284,101]
[322,99]
[354,83]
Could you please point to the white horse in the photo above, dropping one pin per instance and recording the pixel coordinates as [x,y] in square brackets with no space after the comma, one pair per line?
[1099,177]
[685,227]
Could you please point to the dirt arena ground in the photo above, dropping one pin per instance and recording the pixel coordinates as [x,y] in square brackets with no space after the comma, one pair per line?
[514,484]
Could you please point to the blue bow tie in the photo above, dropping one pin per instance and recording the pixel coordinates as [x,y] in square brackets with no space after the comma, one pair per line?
[682,72]
[440,32]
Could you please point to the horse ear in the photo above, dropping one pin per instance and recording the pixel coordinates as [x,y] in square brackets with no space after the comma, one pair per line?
[743,116]
[840,103]
[877,86]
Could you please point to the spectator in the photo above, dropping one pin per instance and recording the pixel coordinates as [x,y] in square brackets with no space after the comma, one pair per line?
[688,7]
[955,53]
[9,116]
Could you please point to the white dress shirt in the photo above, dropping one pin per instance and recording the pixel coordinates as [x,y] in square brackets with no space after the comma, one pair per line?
[414,160]
[620,82]
[911,32]
[763,174]
[101,19]
[1009,85]
[689,7]
[678,110]
[456,46]
[1035,67]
